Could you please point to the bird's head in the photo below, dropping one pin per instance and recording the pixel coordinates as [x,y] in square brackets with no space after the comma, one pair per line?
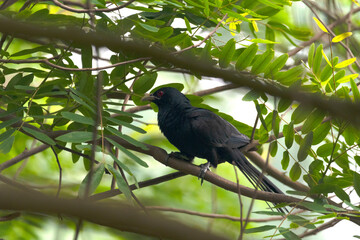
[166,96]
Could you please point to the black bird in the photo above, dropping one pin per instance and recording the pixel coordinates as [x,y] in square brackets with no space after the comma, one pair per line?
[198,132]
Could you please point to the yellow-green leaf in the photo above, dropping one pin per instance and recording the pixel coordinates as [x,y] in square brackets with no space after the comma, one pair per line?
[356,2]
[320,25]
[327,60]
[347,78]
[341,37]
[345,63]
[255,26]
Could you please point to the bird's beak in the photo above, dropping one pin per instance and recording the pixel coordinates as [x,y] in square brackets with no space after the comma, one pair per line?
[148,97]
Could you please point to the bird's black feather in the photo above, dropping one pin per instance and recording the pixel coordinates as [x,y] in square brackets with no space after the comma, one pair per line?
[198,132]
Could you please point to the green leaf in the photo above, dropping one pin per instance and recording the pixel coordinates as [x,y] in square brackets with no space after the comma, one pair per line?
[7,134]
[227,53]
[148,27]
[96,177]
[251,96]
[187,23]
[9,122]
[284,104]
[128,153]
[288,235]
[144,83]
[126,138]
[317,59]
[326,149]
[270,35]
[321,132]
[86,56]
[246,57]
[288,131]
[276,65]
[301,113]
[76,137]
[311,54]
[295,172]
[75,157]
[262,62]
[260,229]
[285,160]
[340,193]
[6,145]
[120,164]
[314,207]
[206,8]
[356,181]
[305,146]
[313,120]
[78,118]
[273,148]
[81,102]
[290,76]
[40,136]
[120,182]
[355,90]
[125,124]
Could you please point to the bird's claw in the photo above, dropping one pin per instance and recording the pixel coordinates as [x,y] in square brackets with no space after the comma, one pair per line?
[203,169]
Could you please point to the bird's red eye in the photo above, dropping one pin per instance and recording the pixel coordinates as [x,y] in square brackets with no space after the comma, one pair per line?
[160,94]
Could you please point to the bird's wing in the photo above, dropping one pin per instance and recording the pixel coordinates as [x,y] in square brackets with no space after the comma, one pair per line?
[210,128]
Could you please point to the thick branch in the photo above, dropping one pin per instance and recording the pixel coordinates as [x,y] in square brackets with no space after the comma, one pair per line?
[120,216]
[336,107]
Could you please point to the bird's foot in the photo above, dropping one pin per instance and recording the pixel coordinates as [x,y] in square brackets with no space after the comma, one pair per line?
[203,169]
[178,155]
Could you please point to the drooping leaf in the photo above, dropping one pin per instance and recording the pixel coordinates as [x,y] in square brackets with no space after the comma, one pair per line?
[295,172]
[311,54]
[276,65]
[128,153]
[227,53]
[262,62]
[313,120]
[305,146]
[92,182]
[285,160]
[76,137]
[321,132]
[120,182]
[355,90]
[40,136]
[246,57]
[260,229]
[356,181]
[317,59]
[144,83]
[326,149]
[9,122]
[7,144]
[320,25]
[78,118]
[125,124]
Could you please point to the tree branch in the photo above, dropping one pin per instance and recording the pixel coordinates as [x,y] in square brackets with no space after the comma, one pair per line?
[118,216]
[336,107]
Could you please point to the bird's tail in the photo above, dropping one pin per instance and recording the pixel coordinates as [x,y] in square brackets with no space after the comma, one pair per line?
[253,175]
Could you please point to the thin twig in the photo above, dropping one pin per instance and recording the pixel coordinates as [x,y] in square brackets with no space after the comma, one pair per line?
[211,215]
[47,62]
[91,10]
